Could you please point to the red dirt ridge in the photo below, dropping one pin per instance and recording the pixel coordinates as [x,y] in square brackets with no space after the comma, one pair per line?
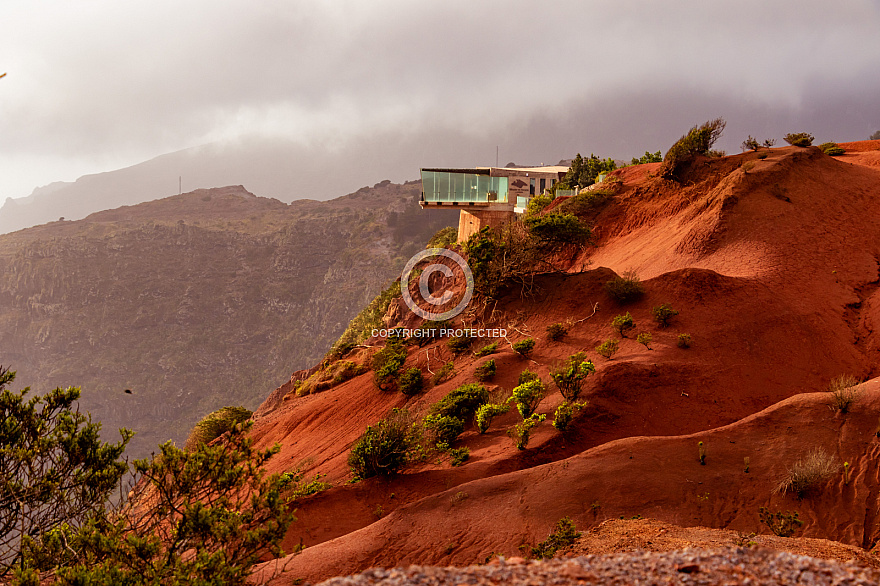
[774,266]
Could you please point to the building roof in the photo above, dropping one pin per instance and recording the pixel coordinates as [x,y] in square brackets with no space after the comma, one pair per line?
[472,171]
[544,169]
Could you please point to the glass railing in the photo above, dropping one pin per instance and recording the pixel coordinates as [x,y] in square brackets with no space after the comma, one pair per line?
[452,186]
[522,202]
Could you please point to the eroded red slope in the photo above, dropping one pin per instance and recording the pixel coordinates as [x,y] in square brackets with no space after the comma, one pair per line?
[657,477]
[773,265]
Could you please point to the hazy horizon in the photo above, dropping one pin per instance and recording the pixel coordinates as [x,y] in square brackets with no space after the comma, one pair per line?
[99,86]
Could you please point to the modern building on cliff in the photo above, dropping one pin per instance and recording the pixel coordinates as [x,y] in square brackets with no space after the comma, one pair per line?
[486,196]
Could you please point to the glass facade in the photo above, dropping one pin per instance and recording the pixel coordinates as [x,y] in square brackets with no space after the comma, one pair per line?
[454,186]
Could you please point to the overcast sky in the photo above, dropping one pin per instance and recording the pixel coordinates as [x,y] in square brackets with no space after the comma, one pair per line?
[95,85]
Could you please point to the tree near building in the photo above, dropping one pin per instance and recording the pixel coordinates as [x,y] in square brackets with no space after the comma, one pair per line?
[584,170]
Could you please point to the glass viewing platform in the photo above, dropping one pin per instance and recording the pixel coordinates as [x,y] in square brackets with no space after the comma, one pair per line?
[463,185]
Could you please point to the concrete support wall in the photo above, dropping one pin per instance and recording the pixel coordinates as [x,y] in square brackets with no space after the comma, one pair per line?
[471,222]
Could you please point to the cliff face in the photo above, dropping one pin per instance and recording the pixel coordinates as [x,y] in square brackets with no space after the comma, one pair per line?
[195,301]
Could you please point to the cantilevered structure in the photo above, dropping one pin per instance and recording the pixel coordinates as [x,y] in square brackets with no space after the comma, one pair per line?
[487,196]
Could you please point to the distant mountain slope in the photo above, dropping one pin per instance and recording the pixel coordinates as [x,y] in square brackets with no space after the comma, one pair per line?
[196,301]
[270,167]
[273,168]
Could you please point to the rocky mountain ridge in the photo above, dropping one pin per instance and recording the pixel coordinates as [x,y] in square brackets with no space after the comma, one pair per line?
[196,301]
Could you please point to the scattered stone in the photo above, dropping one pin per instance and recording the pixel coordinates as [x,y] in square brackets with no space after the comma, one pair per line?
[722,567]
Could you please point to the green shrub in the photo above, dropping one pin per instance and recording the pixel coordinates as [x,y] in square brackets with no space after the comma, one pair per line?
[387,363]
[587,201]
[462,402]
[521,432]
[564,534]
[411,382]
[527,396]
[445,373]
[526,376]
[346,370]
[769,142]
[844,391]
[684,340]
[524,347]
[663,313]
[623,324]
[486,350]
[698,141]
[625,288]
[216,424]
[799,139]
[608,348]
[648,157]
[487,412]
[55,472]
[485,371]
[384,448]
[203,517]
[584,170]
[750,144]
[507,255]
[504,256]
[832,149]
[537,204]
[556,331]
[459,345]
[442,429]
[292,485]
[645,338]
[781,524]
[483,250]
[557,228]
[329,375]
[570,375]
[444,238]
[808,473]
[458,456]
[565,414]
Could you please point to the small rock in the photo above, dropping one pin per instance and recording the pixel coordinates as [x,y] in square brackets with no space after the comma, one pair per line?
[688,568]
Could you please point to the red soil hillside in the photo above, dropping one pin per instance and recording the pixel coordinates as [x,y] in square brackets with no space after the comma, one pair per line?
[865,152]
[657,477]
[773,265]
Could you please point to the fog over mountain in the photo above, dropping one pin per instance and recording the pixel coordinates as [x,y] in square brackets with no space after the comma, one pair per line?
[317,99]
